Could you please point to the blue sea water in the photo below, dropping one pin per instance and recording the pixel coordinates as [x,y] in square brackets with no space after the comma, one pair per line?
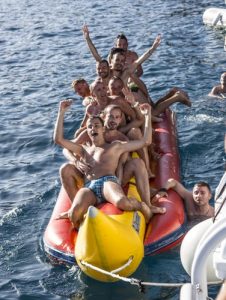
[41,51]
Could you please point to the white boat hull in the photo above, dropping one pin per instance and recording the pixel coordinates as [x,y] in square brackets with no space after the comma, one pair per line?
[215,17]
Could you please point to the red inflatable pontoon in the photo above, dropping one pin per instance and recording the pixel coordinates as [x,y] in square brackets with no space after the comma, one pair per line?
[162,233]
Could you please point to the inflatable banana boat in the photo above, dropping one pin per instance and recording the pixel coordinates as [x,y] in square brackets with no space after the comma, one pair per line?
[115,240]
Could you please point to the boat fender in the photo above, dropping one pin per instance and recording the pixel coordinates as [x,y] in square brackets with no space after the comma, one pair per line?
[214,16]
[189,246]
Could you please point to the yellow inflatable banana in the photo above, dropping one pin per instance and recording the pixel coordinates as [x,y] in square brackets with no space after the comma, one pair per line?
[111,242]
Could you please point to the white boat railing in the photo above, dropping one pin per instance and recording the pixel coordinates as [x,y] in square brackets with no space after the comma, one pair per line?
[197,289]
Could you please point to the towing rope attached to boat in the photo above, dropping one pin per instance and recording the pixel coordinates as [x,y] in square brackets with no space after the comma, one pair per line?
[141,284]
[133,281]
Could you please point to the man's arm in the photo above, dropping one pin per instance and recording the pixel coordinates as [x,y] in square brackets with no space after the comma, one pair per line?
[141,85]
[139,70]
[147,136]
[90,44]
[146,55]
[69,155]
[59,129]
[125,107]
[215,92]
[178,187]
[185,194]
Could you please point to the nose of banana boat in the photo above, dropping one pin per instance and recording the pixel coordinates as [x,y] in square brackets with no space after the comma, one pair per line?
[108,244]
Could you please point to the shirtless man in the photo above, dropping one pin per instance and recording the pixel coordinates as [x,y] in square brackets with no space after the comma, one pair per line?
[118,61]
[72,172]
[121,42]
[103,160]
[81,87]
[220,90]
[99,94]
[197,201]
[131,56]
[128,167]
[100,100]
[103,71]
[127,70]
[133,128]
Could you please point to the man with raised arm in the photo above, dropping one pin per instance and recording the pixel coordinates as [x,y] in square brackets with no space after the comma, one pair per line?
[118,61]
[103,158]
[121,42]
[119,66]
[197,201]
[127,168]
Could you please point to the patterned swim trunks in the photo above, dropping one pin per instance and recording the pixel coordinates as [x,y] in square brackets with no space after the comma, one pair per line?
[96,186]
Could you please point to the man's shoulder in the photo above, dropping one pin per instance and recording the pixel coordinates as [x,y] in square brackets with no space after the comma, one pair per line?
[87,100]
[132,54]
[216,90]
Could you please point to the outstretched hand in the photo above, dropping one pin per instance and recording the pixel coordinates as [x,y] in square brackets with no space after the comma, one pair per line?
[65,215]
[83,166]
[85,31]
[145,109]
[157,41]
[129,96]
[65,105]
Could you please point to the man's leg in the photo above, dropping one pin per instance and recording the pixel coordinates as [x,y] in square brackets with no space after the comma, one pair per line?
[83,199]
[179,96]
[114,194]
[71,179]
[136,167]
[135,134]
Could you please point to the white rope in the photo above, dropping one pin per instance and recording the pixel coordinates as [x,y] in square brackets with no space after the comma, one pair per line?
[124,266]
[135,281]
[104,271]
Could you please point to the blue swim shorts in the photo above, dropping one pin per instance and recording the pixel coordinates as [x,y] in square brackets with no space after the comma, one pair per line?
[96,186]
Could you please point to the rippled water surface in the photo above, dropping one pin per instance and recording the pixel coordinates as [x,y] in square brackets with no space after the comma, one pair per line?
[41,51]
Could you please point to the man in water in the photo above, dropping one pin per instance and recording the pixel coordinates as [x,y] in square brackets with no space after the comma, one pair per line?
[103,159]
[197,201]
[219,90]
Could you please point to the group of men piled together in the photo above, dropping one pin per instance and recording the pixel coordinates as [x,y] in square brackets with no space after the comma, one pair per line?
[118,120]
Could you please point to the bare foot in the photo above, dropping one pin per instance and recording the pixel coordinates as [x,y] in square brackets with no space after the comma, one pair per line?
[184,98]
[146,211]
[156,196]
[64,215]
[150,174]
[69,215]
[158,210]
[155,155]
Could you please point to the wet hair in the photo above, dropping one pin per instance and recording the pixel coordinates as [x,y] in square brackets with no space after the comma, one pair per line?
[110,107]
[114,77]
[91,118]
[103,61]
[203,183]
[122,36]
[114,51]
[76,81]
